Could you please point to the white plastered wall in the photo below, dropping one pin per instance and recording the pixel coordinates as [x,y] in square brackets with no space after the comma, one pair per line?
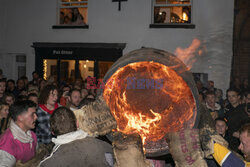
[31,21]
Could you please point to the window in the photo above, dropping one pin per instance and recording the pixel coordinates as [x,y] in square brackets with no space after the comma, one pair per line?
[177,12]
[73,12]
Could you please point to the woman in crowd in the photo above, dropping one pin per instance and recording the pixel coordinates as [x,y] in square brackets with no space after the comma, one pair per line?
[4,111]
[8,98]
[47,104]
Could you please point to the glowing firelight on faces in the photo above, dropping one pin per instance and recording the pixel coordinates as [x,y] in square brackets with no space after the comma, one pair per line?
[152,113]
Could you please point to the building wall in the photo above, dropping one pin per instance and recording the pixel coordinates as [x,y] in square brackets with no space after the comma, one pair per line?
[241,60]
[31,21]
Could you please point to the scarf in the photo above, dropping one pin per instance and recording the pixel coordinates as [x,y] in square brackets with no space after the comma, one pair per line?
[69,137]
[216,107]
[46,109]
[64,139]
[20,135]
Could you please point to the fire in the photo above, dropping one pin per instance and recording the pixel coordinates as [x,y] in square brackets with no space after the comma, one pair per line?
[189,55]
[150,99]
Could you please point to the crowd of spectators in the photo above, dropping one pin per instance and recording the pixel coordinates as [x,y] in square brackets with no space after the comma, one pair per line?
[25,111]
[231,113]
[26,108]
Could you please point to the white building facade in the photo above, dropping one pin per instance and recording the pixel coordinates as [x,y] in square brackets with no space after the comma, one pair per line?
[28,21]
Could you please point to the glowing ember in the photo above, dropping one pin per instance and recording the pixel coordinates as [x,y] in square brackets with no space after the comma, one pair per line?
[150,99]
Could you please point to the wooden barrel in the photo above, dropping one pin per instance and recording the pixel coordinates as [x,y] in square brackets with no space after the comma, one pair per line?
[154,57]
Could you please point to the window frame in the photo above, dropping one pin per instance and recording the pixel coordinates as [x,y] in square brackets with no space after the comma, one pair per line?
[171,25]
[68,26]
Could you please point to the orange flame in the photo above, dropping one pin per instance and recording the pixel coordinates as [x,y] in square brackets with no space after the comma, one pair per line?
[189,55]
[147,108]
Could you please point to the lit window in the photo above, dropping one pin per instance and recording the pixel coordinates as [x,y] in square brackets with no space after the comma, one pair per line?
[73,12]
[171,11]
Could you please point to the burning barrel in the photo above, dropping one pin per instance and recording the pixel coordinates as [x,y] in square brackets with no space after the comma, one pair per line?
[151,92]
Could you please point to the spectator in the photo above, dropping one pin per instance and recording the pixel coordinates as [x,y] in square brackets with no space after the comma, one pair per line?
[20,86]
[74,99]
[213,107]
[245,86]
[33,88]
[73,147]
[160,17]
[4,111]
[77,18]
[18,142]
[61,17]
[227,158]
[64,95]
[25,80]
[157,16]
[247,108]
[11,88]
[35,77]
[211,86]
[9,98]
[219,97]
[78,83]
[201,89]
[245,141]
[42,84]
[84,93]
[235,115]
[33,97]
[47,101]
[2,88]
[221,128]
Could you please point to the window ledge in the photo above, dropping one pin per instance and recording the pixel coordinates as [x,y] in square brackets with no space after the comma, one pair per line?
[70,26]
[172,25]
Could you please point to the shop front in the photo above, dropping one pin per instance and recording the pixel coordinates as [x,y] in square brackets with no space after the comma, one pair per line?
[69,61]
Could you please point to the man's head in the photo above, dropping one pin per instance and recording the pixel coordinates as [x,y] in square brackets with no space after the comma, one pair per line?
[233,97]
[75,97]
[24,114]
[219,93]
[35,75]
[62,121]
[20,84]
[2,86]
[11,84]
[33,97]
[210,98]
[156,10]
[210,84]
[32,88]
[245,141]
[221,126]
[163,14]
